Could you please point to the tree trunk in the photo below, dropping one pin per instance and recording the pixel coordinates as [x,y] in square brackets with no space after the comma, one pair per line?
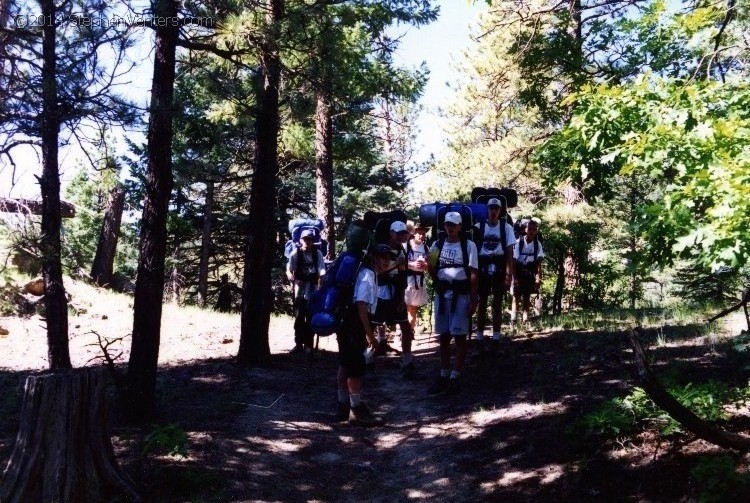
[257,293]
[324,166]
[104,260]
[63,451]
[559,287]
[205,245]
[633,246]
[149,289]
[55,303]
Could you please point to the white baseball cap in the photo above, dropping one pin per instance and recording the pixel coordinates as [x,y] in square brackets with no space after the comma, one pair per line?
[398,226]
[453,217]
[495,202]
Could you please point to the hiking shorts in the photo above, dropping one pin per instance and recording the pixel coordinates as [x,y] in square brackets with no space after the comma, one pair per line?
[352,342]
[389,312]
[456,322]
[494,284]
[526,281]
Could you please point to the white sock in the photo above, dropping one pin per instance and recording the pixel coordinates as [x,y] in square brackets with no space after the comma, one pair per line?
[455,374]
[355,399]
[343,396]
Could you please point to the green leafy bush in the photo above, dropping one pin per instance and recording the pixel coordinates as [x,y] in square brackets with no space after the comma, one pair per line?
[637,411]
[169,439]
[717,479]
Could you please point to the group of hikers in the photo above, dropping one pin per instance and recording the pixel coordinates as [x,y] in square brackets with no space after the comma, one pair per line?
[467,275]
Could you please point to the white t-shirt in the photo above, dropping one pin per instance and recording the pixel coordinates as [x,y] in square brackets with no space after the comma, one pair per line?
[450,255]
[366,289]
[523,252]
[416,252]
[491,242]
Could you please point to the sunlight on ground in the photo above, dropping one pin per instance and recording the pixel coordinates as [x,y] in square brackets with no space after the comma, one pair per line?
[544,475]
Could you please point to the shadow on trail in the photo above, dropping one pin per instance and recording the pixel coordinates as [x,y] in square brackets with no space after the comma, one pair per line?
[267,434]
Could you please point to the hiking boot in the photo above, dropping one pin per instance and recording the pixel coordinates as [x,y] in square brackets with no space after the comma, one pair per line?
[342,411]
[439,386]
[297,349]
[408,372]
[361,416]
[453,387]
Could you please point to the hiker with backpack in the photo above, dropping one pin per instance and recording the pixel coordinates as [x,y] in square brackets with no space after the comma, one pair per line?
[528,254]
[495,239]
[453,265]
[305,270]
[355,336]
[415,295]
[391,306]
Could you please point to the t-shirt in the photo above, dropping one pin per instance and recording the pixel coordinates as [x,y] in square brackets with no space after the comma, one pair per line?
[491,242]
[452,255]
[366,289]
[416,252]
[523,252]
[307,268]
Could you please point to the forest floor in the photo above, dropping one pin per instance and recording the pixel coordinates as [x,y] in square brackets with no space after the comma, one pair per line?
[267,433]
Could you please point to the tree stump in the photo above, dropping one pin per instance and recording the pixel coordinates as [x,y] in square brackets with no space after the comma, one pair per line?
[63,451]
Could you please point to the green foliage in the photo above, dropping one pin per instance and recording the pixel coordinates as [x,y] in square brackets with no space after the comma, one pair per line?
[89,192]
[626,415]
[717,478]
[688,141]
[168,439]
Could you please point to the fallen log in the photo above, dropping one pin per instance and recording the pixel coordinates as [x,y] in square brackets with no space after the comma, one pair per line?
[741,304]
[699,427]
[31,207]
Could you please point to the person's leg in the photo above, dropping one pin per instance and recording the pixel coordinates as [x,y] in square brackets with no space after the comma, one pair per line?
[407,358]
[526,306]
[300,324]
[498,299]
[412,312]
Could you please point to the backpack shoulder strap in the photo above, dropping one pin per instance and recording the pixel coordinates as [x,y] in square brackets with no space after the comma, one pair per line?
[536,247]
[465,253]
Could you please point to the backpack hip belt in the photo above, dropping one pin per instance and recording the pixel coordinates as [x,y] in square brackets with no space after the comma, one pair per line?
[458,287]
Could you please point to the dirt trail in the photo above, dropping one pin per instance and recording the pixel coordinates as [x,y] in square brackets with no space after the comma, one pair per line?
[266,434]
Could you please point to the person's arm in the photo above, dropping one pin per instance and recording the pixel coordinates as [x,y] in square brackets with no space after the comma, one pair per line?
[509,263]
[291,266]
[364,318]
[474,290]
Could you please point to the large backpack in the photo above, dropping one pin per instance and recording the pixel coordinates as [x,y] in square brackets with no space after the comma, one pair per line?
[481,195]
[328,304]
[296,226]
[433,215]
[380,223]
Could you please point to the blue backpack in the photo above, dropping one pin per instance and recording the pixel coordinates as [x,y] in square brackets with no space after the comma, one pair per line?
[328,304]
[296,227]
